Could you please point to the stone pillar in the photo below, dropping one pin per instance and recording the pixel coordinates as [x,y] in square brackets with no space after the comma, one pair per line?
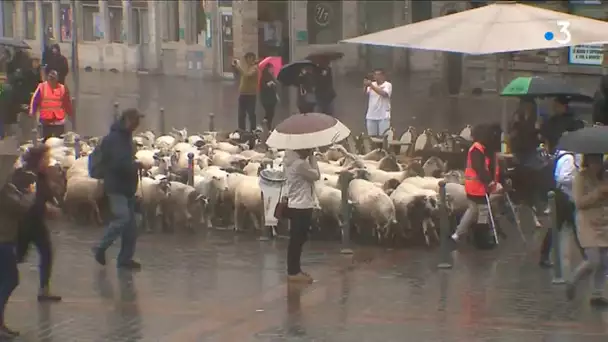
[245,27]
[127,22]
[104,12]
[56,8]
[171,19]
[155,44]
[350,28]
[79,17]
[40,24]
[298,21]
[182,8]
[20,19]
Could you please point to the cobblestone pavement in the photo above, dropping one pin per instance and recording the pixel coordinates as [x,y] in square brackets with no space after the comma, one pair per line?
[188,102]
[216,286]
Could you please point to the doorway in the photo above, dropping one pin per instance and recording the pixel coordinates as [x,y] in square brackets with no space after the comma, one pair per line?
[453,67]
[142,36]
[273,33]
[378,56]
[226,41]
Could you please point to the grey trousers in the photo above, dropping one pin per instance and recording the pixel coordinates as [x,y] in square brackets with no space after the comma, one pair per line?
[594,265]
[471,214]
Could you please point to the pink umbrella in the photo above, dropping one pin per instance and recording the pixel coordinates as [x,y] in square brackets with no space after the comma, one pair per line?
[276,62]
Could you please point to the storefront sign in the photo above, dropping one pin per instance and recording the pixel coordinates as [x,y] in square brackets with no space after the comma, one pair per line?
[586,54]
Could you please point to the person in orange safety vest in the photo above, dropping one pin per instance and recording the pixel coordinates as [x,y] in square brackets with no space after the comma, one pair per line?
[481,175]
[52,100]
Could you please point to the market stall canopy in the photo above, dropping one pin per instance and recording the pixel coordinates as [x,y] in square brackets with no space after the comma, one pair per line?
[537,86]
[497,28]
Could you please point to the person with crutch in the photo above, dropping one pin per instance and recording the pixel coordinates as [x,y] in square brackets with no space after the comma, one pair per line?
[481,179]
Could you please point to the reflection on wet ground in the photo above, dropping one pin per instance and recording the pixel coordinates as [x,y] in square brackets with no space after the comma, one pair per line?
[188,102]
[216,286]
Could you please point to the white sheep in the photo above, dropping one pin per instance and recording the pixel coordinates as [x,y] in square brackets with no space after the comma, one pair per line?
[228,147]
[184,207]
[80,168]
[331,180]
[252,169]
[248,203]
[330,203]
[413,210]
[429,183]
[371,207]
[83,190]
[147,158]
[152,193]
[54,142]
[214,186]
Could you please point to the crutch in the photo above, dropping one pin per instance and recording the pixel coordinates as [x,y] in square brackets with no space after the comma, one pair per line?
[491,218]
[515,216]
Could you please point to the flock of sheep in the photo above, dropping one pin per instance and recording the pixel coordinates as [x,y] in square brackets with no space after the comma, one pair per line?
[393,197]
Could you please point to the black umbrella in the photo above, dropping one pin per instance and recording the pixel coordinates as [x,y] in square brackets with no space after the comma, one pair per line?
[288,75]
[329,55]
[587,140]
[16,43]
[544,87]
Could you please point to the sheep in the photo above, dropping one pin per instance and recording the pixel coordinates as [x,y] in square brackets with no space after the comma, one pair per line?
[330,180]
[164,142]
[434,167]
[54,142]
[194,139]
[184,206]
[248,201]
[252,169]
[329,168]
[213,185]
[330,204]
[418,207]
[371,207]
[147,158]
[429,183]
[230,148]
[83,190]
[376,155]
[152,193]
[80,168]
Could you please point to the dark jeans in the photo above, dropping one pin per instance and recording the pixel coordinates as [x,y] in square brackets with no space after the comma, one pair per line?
[300,221]
[269,109]
[247,110]
[9,275]
[52,131]
[123,226]
[565,214]
[34,231]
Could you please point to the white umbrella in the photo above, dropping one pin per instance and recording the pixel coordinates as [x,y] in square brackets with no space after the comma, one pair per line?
[304,131]
[497,28]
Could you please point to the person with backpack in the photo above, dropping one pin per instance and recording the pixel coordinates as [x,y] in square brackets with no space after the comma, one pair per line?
[114,162]
[566,164]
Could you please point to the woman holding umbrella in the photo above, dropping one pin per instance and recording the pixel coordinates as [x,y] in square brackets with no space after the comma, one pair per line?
[268,93]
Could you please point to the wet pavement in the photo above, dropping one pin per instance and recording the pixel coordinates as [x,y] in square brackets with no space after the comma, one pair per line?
[188,102]
[217,286]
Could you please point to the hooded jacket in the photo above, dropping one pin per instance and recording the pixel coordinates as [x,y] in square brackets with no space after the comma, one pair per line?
[56,62]
[301,176]
[15,202]
[119,160]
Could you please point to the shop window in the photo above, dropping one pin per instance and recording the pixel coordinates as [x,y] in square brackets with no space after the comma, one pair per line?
[30,21]
[172,21]
[8,19]
[324,21]
[93,23]
[65,22]
[116,31]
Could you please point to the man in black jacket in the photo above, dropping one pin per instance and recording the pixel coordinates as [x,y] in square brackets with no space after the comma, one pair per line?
[120,184]
[54,60]
[562,120]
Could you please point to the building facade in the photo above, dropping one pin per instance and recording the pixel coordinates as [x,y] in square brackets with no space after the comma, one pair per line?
[201,37]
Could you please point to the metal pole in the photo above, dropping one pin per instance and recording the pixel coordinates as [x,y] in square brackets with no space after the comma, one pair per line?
[41,29]
[445,258]
[162,121]
[75,67]
[191,169]
[556,243]
[344,180]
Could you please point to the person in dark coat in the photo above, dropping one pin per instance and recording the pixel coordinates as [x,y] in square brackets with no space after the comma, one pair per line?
[523,132]
[14,203]
[324,89]
[121,178]
[307,99]
[562,120]
[54,60]
[600,102]
[268,94]
[33,228]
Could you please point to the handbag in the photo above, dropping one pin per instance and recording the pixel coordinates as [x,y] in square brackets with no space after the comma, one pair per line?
[281,208]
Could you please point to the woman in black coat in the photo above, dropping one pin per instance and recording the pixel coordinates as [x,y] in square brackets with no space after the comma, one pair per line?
[268,94]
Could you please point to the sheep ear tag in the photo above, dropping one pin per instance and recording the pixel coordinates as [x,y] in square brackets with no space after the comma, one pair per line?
[483,214]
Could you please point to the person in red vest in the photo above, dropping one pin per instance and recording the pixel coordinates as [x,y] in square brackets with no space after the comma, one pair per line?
[53,101]
[481,174]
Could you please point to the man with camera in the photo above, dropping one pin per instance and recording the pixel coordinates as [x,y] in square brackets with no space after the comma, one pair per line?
[378,91]
[248,89]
